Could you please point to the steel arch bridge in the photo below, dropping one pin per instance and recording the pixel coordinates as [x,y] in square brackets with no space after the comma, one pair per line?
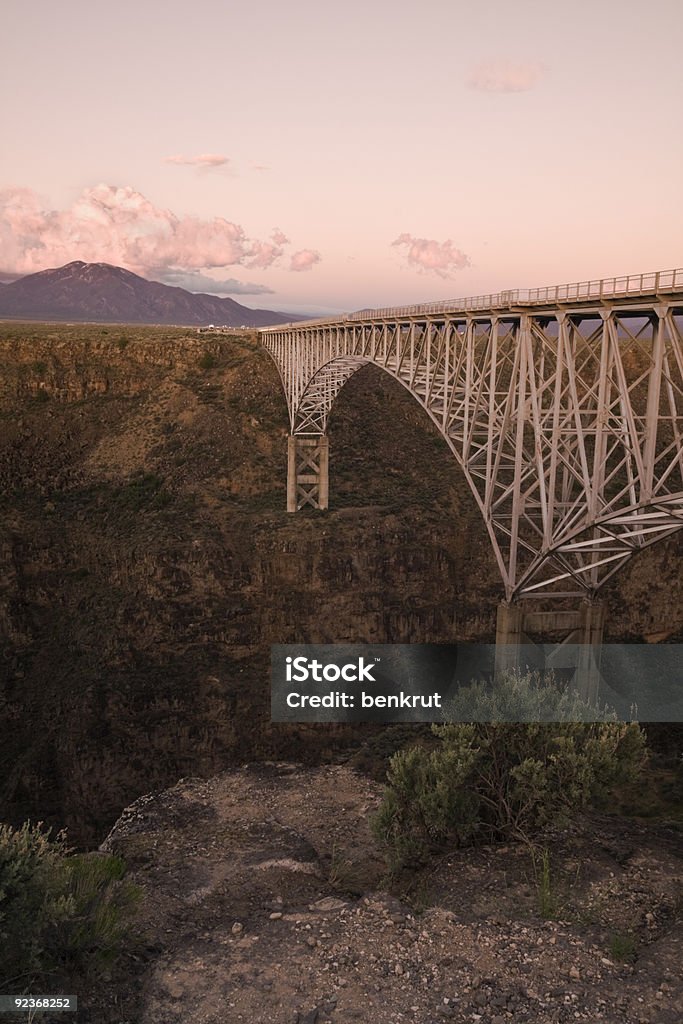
[563,406]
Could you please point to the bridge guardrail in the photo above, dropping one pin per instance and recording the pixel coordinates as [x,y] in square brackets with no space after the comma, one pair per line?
[659,282]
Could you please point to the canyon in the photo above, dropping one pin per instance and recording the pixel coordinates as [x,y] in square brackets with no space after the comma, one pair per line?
[147,563]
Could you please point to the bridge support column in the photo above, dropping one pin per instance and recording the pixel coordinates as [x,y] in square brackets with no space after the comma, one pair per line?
[579,630]
[591,625]
[508,637]
[308,460]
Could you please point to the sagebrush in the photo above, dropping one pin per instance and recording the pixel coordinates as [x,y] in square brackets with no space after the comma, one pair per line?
[60,914]
[483,781]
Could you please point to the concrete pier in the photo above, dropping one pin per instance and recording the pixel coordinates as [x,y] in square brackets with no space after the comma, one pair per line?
[580,629]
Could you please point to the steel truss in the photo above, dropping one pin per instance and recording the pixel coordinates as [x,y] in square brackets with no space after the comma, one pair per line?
[565,416]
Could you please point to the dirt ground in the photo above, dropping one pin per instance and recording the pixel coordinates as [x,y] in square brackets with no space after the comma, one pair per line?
[265,902]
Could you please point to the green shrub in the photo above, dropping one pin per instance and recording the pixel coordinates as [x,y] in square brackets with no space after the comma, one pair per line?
[499,780]
[99,901]
[207,361]
[547,903]
[32,901]
[59,914]
[428,799]
[623,946]
[517,697]
[141,493]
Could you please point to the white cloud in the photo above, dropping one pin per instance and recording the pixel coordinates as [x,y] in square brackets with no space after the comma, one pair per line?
[305,259]
[263,254]
[505,76]
[427,254]
[193,281]
[279,237]
[205,161]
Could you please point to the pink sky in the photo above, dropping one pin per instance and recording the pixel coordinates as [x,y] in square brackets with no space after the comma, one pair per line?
[318,157]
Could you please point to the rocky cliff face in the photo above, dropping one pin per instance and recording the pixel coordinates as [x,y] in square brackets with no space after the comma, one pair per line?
[147,565]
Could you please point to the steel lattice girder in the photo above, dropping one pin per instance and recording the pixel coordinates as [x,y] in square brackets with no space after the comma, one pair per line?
[567,422]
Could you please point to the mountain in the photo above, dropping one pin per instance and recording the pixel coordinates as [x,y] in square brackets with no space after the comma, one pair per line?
[102,293]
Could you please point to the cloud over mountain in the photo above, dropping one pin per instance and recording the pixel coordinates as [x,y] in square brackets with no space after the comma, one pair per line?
[193,281]
[119,225]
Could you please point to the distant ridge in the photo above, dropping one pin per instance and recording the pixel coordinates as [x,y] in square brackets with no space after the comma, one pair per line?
[106,294]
